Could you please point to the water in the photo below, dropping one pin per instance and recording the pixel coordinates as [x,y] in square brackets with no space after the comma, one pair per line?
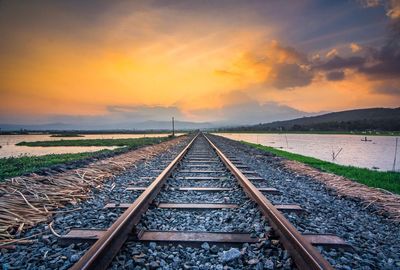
[376,154]
[9,149]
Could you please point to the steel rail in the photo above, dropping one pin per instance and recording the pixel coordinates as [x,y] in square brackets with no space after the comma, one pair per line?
[100,255]
[303,253]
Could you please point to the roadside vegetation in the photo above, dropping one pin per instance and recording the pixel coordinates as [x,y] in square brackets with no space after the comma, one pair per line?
[15,166]
[385,180]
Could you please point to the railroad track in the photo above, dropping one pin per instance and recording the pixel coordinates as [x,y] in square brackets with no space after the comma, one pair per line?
[225,202]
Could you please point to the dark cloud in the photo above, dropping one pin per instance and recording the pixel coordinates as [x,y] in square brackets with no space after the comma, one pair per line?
[335,75]
[338,62]
[376,64]
[291,75]
[384,63]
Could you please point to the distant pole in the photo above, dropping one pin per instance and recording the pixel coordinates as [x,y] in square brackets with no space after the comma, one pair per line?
[287,143]
[173,127]
[395,156]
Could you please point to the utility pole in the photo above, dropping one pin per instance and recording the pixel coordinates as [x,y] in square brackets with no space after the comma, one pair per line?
[173,127]
[395,156]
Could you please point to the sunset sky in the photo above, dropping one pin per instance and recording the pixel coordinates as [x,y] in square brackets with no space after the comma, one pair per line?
[227,61]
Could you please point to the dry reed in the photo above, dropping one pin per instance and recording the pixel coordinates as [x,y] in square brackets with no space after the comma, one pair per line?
[384,201]
[29,200]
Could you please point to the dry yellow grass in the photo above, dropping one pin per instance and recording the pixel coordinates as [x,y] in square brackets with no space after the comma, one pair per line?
[28,200]
[386,202]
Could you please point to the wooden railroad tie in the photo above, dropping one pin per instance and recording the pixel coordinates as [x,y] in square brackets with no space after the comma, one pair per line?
[209,189]
[196,238]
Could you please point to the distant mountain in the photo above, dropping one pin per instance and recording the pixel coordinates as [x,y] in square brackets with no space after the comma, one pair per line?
[146,125]
[50,126]
[385,119]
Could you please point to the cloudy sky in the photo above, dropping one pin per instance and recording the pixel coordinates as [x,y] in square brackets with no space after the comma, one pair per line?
[227,60]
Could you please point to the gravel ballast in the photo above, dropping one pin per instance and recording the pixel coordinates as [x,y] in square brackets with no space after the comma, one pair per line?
[265,254]
[375,239]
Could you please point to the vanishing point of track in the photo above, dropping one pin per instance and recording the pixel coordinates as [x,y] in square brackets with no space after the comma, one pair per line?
[199,154]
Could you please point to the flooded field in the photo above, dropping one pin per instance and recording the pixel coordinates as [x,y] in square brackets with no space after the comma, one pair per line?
[376,153]
[9,149]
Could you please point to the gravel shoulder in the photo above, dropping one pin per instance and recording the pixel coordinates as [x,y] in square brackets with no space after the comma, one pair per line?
[375,238]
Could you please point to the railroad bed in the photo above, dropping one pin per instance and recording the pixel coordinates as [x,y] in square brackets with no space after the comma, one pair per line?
[176,209]
[199,206]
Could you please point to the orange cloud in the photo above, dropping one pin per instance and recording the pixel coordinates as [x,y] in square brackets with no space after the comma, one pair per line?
[355,47]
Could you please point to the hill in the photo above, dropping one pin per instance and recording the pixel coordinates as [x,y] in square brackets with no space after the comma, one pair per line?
[378,119]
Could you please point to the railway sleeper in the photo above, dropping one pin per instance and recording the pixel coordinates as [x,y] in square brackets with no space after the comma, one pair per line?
[203,171]
[295,208]
[193,238]
[207,189]
[195,161]
[199,178]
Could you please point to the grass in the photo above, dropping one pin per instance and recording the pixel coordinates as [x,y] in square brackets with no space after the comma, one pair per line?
[96,142]
[66,135]
[385,180]
[15,166]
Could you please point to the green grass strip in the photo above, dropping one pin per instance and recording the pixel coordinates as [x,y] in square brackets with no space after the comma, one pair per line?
[386,180]
[15,166]
[68,135]
[131,142]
